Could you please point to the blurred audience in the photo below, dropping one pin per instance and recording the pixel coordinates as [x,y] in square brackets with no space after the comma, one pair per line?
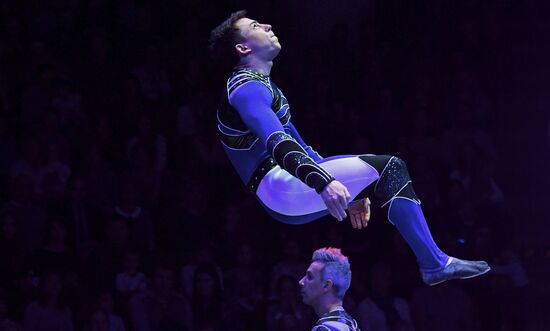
[287,312]
[382,310]
[160,307]
[49,311]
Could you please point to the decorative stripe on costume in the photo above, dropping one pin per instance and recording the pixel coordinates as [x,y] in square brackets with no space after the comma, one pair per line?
[292,157]
[337,320]
[261,170]
[321,328]
[243,76]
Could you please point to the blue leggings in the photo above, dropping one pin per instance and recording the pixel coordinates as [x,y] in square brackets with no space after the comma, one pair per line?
[382,177]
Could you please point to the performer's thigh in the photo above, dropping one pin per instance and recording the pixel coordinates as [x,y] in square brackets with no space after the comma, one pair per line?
[286,195]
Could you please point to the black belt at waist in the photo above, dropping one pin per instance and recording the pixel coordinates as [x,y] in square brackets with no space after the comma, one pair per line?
[261,170]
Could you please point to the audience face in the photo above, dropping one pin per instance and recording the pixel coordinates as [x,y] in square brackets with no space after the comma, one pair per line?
[51,122]
[93,163]
[131,263]
[105,302]
[128,195]
[32,152]
[57,233]
[52,287]
[287,290]
[77,190]
[164,281]
[205,285]
[456,193]
[204,256]
[9,228]
[196,200]
[99,321]
[244,257]
[145,126]
[104,130]
[140,157]
[131,90]
[117,233]
[24,188]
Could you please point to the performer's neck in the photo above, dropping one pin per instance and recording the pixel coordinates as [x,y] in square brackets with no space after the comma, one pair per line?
[327,307]
[257,65]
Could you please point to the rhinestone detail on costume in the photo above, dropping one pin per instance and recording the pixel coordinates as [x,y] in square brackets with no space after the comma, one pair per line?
[392,180]
[293,158]
[275,138]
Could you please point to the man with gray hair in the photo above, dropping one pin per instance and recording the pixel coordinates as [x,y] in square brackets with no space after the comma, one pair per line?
[323,288]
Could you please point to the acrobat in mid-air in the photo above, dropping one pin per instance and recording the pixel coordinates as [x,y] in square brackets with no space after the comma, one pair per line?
[292,181]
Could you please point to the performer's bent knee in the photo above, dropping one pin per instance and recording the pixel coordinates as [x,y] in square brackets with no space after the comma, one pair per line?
[394,177]
[378,162]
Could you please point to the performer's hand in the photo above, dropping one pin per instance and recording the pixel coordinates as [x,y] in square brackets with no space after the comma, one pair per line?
[336,197]
[359,213]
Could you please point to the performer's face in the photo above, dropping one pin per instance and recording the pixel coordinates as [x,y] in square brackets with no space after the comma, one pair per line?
[312,287]
[259,39]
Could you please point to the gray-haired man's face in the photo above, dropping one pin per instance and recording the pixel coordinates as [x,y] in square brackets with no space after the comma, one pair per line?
[312,287]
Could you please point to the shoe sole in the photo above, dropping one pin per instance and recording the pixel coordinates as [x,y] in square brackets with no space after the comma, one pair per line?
[465,277]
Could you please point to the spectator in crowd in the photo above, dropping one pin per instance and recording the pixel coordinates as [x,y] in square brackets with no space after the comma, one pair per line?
[147,153]
[203,254]
[105,304]
[209,304]
[107,257]
[243,284]
[442,308]
[288,310]
[160,307]
[291,264]
[7,323]
[12,252]
[137,217]
[99,321]
[30,161]
[130,280]
[81,216]
[382,310]
[55,255]
[100,177]
[49,311]
[153,79]
[37,96]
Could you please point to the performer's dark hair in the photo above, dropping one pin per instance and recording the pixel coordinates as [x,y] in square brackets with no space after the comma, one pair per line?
[223,39]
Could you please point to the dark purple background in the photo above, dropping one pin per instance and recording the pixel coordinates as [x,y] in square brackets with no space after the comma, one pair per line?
[109,157]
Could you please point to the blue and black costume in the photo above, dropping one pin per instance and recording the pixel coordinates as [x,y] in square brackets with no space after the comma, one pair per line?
[255,127]
[287,175]
[336,320]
